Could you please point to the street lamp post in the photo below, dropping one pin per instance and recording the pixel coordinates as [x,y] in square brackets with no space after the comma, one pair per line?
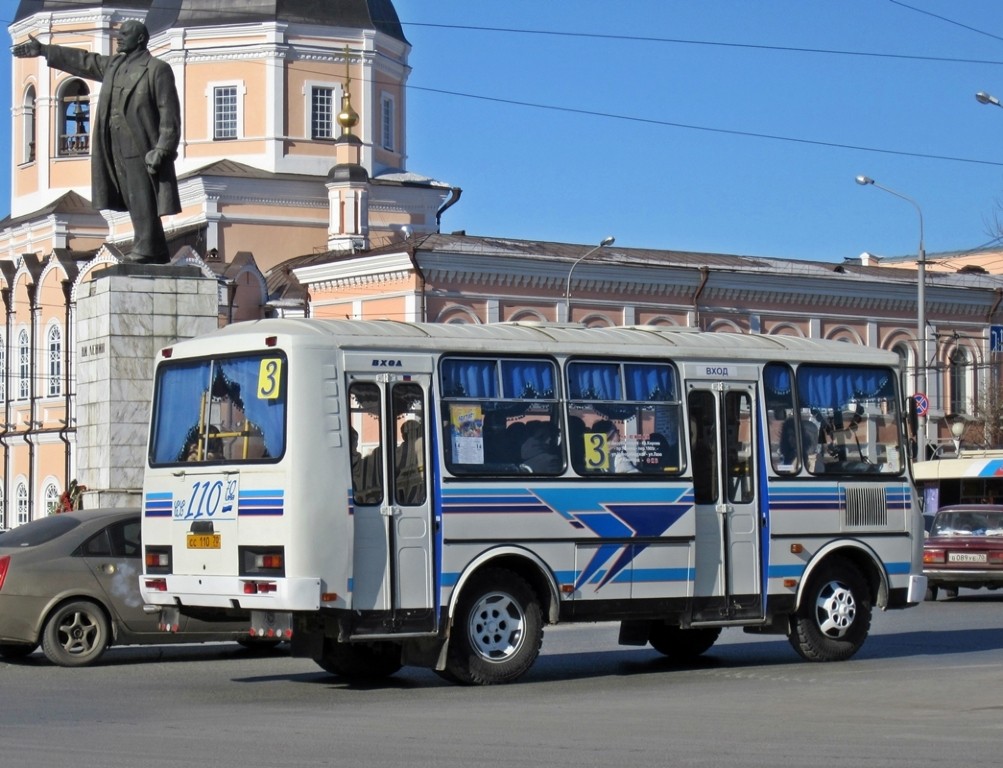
[922,383]
[567,291]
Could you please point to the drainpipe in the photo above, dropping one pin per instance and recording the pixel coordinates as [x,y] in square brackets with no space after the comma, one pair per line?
[64,432]
[32,398]
[704,277]
[4,428]
[422,303]
[454,196]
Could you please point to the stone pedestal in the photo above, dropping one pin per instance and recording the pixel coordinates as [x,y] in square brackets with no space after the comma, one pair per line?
[123,318]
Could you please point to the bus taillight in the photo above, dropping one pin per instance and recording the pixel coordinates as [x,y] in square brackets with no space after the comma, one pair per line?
[158,560]
[262,561]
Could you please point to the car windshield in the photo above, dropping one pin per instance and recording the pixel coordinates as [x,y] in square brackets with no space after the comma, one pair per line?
[964,523]
[39,531]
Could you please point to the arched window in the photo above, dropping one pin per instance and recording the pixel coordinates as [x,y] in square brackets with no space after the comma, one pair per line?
[23,365]
[74,119]
[959,373]
[55,368]
[28,125]
[21,494]
[51,496]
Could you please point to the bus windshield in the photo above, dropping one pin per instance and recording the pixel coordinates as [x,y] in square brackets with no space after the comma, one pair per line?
[230,409]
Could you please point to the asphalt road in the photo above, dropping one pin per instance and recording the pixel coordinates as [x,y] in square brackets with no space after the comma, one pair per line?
[926,690]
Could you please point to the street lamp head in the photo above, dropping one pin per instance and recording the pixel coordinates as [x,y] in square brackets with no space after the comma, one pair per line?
[987,98]
[608,241]
[864,180]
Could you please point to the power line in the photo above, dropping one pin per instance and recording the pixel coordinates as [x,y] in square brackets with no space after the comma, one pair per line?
[945,19]
[713,43]
[727,131]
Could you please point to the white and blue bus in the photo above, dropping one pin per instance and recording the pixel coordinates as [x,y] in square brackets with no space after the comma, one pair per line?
[384,494]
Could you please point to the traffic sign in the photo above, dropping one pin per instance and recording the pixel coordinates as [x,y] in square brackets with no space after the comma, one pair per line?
[922,403]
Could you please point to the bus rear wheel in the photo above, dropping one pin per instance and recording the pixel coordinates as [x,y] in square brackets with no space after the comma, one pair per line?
[360,661]
[834,617]
[497,630]
[682,645]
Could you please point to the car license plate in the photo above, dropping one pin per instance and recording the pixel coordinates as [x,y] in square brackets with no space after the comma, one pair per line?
[204,540]
[966,557]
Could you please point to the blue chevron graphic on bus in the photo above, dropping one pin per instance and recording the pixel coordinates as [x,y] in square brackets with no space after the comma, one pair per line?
[632,512]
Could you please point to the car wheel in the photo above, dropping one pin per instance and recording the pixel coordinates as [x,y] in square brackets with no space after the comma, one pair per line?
[682,645]
[950,592]
[76,634]
[16,650]
[834,617]
[931,592]
[360,661]
[497,631]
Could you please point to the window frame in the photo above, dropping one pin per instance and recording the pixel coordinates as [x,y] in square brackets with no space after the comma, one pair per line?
[217,115]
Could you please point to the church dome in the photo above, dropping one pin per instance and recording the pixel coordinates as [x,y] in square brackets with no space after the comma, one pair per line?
[164,14]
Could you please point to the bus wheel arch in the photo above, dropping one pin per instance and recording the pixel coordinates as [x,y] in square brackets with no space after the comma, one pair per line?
[525,564]
[856,554]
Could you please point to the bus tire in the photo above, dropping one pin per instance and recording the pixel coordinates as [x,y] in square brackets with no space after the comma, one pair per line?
[76,634]
[497,631]
[360,661]
[834,617]
[682,645]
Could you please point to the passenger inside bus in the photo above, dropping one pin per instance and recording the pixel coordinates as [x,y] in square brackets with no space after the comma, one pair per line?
[409,479]
[366,483]
[539,452]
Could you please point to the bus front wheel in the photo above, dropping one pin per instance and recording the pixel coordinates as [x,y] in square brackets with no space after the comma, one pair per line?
[834,617]
[497,630]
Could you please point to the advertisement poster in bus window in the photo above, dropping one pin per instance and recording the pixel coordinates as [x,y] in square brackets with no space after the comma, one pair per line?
[466,423]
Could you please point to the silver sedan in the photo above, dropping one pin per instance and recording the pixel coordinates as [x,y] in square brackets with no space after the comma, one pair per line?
[70,583]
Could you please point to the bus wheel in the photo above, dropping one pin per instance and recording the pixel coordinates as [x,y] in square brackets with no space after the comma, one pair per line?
[497,631]
[682,645]
[360,661]
[835,615]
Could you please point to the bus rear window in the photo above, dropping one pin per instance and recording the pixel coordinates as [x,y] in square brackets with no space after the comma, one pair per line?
[221,410]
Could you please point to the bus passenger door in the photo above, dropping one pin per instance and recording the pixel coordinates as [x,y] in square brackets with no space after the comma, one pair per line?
[393,551]
[727,560]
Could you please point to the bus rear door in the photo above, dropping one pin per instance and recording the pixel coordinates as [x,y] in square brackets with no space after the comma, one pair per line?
[394,535]
[728,556]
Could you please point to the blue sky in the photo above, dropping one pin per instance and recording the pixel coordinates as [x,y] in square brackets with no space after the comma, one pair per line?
[720,125]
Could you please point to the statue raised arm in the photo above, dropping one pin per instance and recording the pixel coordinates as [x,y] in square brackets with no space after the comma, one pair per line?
[134,135]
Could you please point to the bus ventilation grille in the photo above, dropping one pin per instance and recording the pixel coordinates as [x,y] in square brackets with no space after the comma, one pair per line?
[865,507]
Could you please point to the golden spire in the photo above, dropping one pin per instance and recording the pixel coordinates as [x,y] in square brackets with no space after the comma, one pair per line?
[348,118]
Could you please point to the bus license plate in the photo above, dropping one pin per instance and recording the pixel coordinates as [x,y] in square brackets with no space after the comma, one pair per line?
[204,540]
[966,557]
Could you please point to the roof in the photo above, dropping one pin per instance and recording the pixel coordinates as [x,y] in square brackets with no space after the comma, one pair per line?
[353,14]
[67,203]
[28,8]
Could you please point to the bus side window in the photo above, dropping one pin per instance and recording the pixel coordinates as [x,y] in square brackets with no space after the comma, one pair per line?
[409,454]
[365,436]
[703,438]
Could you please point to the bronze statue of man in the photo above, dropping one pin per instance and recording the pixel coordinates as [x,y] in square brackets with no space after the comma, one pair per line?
[134,134]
